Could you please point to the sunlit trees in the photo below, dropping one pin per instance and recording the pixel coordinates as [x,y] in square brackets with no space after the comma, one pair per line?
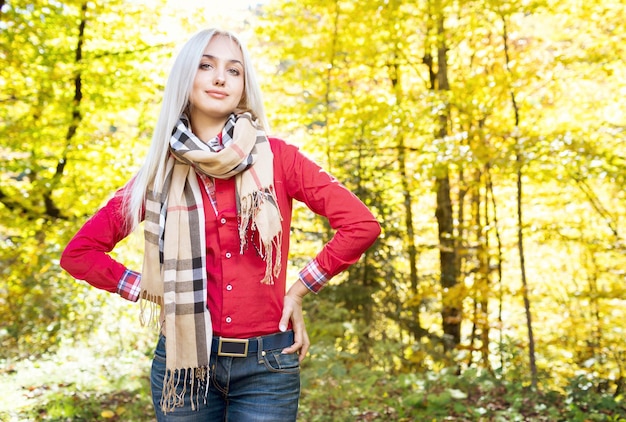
[492,137]
[75,104]
[487,137]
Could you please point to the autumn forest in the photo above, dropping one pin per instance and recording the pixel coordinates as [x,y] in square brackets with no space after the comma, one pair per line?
[487,136]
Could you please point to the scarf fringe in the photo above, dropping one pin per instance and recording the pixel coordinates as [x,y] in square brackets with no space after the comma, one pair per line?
[198,380]
[251,206]
[149,302]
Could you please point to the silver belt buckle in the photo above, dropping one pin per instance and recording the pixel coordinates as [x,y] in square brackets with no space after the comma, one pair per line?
[233,347]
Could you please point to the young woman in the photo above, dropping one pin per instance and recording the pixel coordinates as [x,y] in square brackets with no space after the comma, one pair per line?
[216,196]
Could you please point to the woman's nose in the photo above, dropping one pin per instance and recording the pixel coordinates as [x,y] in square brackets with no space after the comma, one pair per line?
[219,80]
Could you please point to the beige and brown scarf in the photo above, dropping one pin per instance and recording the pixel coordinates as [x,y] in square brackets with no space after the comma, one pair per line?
[174,270]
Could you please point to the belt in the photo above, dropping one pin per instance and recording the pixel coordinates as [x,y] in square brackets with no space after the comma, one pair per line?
[235,347]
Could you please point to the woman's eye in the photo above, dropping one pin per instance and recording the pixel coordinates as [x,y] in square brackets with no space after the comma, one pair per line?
[234,72]
[205,66]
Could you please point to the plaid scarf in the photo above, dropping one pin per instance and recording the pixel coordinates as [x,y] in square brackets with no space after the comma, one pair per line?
[174,270]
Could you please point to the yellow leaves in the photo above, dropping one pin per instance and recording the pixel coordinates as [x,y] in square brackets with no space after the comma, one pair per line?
[107,414]
[454,296]
[110,414]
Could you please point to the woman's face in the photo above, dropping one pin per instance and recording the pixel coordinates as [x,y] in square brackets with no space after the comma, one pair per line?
[219,83]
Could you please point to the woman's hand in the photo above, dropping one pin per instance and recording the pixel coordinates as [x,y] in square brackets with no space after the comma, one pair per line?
[292,310]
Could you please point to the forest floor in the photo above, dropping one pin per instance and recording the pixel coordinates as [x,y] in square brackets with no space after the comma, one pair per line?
[85,384]
[74,382]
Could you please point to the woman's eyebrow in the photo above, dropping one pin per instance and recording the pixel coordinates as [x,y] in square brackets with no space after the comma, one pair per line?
[208,56]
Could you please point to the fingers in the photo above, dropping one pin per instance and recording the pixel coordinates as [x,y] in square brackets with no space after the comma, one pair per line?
[284,320]
[305,346]
[301,344]
[292,311]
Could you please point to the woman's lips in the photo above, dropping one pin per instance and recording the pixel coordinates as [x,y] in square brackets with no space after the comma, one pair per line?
[217,94]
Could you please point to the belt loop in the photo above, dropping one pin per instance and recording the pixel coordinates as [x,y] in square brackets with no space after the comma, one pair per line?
[259,350]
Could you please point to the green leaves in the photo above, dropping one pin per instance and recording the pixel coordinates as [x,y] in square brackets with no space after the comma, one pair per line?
[352,83]
[69,140]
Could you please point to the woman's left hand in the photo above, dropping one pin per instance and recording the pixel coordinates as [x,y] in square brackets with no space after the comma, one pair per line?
[292,310]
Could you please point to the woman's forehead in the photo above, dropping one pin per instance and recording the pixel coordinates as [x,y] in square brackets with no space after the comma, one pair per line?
[224,48]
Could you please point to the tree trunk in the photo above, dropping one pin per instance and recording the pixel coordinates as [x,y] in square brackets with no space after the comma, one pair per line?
[520,221]
[51,209]
[365,279]
[478,268]
[416,329]
[483,284]
[451,308]
[490,198]
[451,313]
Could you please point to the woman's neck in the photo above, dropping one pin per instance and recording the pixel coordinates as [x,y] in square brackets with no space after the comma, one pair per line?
[206,129]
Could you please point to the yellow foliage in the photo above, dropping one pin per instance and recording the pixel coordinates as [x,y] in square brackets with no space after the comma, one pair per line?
[107,414]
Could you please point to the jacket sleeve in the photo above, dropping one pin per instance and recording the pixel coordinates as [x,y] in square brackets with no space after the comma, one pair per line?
[355,227]
[86,256]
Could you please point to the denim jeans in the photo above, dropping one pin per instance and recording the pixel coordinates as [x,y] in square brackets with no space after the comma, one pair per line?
[264,386]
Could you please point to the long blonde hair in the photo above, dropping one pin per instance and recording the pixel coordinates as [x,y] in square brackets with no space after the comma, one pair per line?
[175,100]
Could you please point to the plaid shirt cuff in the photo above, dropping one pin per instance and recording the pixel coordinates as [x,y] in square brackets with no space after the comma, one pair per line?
[313,277]
[128,286]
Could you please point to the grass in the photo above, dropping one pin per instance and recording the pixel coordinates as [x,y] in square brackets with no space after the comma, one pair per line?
[95,384]
[77,384]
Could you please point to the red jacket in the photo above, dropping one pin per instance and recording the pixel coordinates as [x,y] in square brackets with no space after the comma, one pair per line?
[239,304]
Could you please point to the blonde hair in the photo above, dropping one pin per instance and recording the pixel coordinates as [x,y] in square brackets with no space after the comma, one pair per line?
[175,101]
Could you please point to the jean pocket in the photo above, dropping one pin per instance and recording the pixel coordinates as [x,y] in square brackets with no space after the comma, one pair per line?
[157,373]
[275,361]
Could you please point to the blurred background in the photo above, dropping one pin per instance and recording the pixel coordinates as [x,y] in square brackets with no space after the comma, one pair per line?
[487,137]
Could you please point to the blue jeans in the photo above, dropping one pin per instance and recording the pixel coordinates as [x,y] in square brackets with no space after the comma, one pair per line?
[264,386]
